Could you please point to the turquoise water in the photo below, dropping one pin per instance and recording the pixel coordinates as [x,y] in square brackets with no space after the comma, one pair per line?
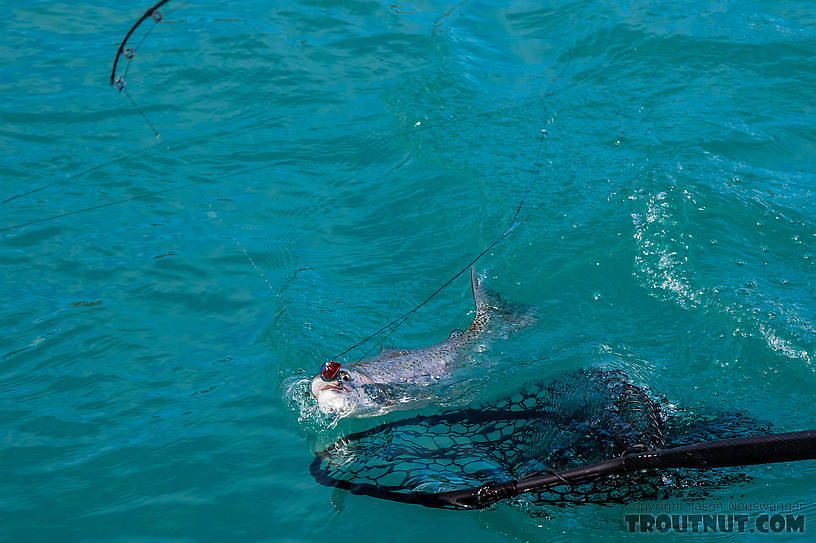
[322,168]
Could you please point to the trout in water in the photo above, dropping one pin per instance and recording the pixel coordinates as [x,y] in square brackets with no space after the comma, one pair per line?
[376,385]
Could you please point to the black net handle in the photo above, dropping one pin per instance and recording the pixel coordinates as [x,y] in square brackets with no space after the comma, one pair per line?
[721,453]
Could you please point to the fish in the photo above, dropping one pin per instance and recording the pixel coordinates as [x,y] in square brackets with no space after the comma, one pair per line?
[382,383]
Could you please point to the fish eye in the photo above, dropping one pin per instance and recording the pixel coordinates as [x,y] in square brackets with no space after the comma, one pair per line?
[344,375]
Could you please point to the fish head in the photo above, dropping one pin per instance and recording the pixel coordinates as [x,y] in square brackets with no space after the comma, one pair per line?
[340,391]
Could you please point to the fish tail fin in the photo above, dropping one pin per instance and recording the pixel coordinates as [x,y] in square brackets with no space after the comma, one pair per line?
[490,308]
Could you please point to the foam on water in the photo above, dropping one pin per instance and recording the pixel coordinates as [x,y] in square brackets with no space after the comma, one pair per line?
[662,260]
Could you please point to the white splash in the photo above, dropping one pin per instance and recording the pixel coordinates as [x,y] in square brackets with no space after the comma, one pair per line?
[661,260]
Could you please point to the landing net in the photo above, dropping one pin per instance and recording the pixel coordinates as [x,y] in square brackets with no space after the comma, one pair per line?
[592,436]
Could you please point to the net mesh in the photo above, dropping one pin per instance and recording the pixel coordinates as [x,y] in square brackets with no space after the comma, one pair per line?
[578,419]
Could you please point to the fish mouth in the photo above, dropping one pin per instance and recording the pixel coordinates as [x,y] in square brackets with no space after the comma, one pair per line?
[329,386]
[318,386]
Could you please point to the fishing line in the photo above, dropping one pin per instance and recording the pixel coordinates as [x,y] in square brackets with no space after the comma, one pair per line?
[20,195]
[119,158]
[136,106]
[254,264]
[142,196]
[100,206]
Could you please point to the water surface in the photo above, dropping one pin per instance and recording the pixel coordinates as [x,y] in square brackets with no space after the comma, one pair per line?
[323,167]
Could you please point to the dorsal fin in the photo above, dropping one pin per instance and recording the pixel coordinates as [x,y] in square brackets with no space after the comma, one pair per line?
[490,307]
[480,301]
[479,298]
